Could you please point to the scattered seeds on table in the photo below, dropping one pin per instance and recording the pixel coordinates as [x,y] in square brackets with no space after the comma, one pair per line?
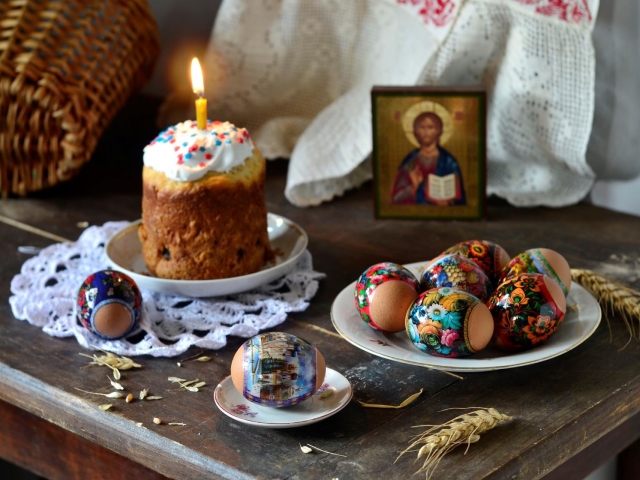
[108,395]
[115,385]
[200,384]
[143,393]
[157,421]
[176,379]
[177,423]
[129,398]
[153,397]
[305,449]
[105,407]
[138,424]
[179,364]
[203,359]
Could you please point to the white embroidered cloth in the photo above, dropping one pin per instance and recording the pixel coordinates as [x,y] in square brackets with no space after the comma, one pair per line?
[44,294]
[298,74]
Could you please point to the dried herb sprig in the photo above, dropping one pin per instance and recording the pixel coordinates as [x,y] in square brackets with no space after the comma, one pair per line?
[439,440]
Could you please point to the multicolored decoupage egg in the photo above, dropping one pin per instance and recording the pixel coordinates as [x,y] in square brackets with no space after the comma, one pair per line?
[489,256]
[540,260]
[109,304]
[383,294]
[457,272]
[277,369]
[447,322]
[527,309]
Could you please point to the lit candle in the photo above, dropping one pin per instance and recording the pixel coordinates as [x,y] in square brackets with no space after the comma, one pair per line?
[198,88]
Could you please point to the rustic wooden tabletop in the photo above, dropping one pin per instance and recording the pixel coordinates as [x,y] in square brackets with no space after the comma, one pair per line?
[571,413]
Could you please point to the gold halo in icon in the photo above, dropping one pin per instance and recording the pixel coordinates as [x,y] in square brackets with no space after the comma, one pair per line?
[415,110]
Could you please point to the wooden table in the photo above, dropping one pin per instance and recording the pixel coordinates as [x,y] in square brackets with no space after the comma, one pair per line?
[580,408]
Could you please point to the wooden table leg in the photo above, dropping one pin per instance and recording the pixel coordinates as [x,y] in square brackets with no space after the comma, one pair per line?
[54,453]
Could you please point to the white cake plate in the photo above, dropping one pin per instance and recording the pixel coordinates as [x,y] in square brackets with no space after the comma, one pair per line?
[581,320]
[288,240]
[312,410]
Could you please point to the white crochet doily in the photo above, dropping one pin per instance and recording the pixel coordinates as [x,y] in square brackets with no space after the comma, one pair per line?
[44,294]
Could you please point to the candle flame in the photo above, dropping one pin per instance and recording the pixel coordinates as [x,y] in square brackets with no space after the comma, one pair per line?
[196,78]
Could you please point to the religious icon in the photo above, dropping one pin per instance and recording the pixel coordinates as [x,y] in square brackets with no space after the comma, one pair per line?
[429,152]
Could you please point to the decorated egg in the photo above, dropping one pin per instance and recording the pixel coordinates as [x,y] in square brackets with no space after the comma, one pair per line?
[109,304]
[383,294]
[540,260]
[527,309]
[457,272]
[489,256]
[277,369]
[447,322]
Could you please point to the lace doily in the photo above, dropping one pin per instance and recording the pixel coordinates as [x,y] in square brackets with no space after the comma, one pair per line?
[44,294]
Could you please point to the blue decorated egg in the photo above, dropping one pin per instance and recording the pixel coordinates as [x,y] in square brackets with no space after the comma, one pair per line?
[447,322]
[109,304]
[277,369]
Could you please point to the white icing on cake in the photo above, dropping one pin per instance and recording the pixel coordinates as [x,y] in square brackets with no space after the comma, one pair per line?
[185,153]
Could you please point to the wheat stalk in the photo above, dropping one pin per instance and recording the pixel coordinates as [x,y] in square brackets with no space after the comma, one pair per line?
[614,297]
[441,439]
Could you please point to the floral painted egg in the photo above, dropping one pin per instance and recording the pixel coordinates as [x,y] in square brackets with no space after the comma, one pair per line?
[540,260]
[277,369]
[527,309]
[457,272]
[109,304]
[489,256]
[383,294]
[447,322]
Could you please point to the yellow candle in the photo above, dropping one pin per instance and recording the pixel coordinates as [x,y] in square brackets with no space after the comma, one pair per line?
[201,113]
[197,83]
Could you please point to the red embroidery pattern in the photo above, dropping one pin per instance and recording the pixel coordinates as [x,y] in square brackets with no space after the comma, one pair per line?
[437,12]
[575,11]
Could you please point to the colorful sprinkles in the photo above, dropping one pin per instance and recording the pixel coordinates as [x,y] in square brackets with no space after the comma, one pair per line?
[201,146]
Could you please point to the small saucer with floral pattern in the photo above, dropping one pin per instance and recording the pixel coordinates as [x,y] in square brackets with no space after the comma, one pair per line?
[334,394]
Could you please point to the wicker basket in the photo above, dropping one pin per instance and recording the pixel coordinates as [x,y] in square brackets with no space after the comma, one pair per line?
[66,68]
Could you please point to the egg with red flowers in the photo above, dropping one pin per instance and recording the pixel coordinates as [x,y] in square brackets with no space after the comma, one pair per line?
[489,256]
[527,309]
[383,294]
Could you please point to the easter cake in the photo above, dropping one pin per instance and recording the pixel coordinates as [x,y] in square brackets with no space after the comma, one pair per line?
[203,208]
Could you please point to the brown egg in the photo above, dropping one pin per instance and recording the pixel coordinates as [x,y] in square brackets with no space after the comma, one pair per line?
[113,320]
[480,327]
[278,370]
[389,305]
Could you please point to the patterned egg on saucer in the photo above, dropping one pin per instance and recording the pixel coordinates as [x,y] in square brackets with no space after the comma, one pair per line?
[109,304]
[540,260]
[457,272]
[527,309]
[277,369]
[383,294]
[489,256]
[446,322]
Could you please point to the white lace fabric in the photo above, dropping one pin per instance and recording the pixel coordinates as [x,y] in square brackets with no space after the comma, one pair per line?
[298,74]
[44,294]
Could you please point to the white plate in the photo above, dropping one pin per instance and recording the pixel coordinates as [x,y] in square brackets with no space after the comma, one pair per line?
[578,325]
[312,410]
[289,240]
